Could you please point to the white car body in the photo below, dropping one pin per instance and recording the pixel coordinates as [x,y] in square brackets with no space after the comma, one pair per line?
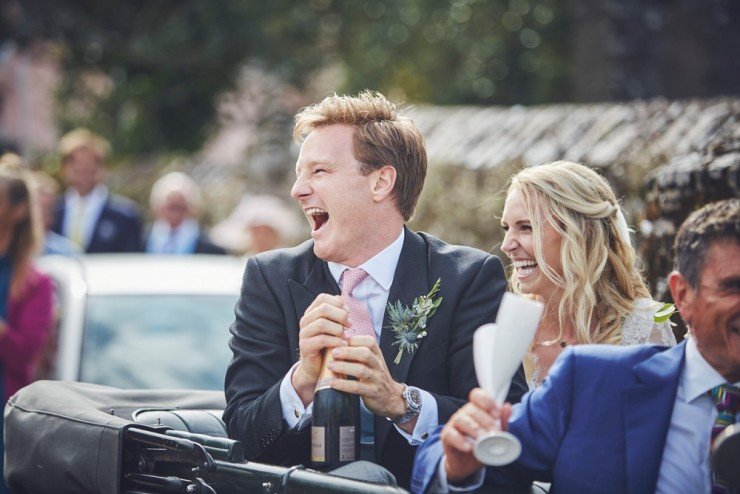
[144,321]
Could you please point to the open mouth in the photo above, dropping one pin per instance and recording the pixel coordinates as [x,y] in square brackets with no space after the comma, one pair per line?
[317,217]
[525,268]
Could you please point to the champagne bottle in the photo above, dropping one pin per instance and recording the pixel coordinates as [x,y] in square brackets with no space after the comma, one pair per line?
[335,423]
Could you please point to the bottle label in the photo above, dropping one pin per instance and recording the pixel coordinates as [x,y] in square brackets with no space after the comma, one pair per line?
[318,445]
[347,443]
[326,375]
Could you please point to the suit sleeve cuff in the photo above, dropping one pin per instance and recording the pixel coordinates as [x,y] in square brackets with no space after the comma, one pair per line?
[294,413]
[440,484]
[426,423]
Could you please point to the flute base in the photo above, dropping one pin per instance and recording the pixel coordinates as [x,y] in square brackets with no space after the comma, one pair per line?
[497,448]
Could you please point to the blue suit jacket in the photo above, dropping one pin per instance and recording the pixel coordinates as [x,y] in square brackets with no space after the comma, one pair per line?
[598,424]
[118,228]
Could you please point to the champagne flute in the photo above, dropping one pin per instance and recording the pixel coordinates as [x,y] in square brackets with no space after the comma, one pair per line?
[497,353]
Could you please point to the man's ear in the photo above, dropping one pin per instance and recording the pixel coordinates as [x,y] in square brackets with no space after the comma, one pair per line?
[385,180]
[682,294]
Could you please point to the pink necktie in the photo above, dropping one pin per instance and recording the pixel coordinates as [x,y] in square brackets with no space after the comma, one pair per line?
[358,314]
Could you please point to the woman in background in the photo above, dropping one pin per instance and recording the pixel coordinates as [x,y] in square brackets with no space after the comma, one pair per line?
[569,246]
[26,295]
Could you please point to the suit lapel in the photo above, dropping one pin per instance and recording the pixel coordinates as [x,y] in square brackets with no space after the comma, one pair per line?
[319,280]
[647,408]
[409,281]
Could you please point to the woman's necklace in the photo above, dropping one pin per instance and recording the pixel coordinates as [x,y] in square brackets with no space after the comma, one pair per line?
[561,343]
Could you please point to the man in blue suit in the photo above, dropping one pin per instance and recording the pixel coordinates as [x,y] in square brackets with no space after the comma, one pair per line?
[621,420]
[91,217]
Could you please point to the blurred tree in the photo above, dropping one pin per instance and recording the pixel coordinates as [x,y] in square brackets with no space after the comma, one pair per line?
[145,72]
[453,51]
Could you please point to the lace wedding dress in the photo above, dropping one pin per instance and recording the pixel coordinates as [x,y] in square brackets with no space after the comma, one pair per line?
[638,328]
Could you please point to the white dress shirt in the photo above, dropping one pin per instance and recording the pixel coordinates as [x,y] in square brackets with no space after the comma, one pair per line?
[374,291]
[164,240]
[685,466]
[90,207]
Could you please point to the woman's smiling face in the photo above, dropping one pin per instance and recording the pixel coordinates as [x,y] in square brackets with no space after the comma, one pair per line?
[519,242]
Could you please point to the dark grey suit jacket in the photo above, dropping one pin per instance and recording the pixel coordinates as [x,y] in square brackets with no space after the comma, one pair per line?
[279,286]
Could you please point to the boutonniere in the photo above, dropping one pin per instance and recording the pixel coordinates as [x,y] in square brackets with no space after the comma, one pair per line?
[410,323]
[664,314]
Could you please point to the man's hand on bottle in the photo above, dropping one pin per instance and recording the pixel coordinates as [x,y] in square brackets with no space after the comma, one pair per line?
[363,360]
[322,326]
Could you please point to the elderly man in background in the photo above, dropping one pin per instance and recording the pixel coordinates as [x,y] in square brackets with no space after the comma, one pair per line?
[175,201]
[622,420]
[88,214]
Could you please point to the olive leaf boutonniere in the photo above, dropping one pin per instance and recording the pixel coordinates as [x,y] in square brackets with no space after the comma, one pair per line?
[410,323]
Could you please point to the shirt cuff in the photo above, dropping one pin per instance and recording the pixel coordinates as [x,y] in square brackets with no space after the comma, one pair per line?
[440,484]
[294,413]
[427,421]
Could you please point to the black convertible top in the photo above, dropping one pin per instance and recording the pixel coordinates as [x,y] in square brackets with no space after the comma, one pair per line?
[67,437]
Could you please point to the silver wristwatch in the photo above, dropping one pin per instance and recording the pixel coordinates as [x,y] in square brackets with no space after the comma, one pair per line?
[412,397]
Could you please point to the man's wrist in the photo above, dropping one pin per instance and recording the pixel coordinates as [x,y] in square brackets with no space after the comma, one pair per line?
[412,401]
[303,385]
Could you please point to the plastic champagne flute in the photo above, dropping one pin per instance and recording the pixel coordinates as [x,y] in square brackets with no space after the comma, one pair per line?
[498,350]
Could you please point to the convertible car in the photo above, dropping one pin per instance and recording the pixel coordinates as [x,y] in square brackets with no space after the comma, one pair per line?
[67,437]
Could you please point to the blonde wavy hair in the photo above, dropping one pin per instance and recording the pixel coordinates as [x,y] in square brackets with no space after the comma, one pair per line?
[16,190]
[600,280]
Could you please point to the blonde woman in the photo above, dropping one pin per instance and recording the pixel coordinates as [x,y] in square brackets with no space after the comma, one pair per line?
[569,247]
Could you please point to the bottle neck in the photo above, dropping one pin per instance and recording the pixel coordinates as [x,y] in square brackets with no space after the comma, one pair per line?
[326,374]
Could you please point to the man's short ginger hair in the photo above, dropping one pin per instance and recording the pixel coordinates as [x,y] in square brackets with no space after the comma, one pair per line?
[382,136]
[83,138]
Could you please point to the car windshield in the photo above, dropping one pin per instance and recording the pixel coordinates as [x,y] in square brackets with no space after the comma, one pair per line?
[157,341]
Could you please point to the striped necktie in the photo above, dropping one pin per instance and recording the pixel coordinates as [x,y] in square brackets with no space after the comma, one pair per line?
[727,402]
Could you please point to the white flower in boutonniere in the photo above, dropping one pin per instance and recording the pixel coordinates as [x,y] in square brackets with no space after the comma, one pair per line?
[410,324]
[664,314]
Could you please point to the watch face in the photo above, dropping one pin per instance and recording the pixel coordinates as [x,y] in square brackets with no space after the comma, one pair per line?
[414,397]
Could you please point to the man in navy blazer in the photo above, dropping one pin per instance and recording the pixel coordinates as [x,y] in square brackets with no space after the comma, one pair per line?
[613,419]
[360,172]
[91,217]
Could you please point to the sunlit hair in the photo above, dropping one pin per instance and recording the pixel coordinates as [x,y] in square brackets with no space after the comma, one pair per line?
[600,280]
[175,182]
[25,241]
[382,136]
[83,138]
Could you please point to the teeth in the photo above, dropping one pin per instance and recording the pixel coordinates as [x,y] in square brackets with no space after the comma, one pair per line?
[524,264]
[314,211]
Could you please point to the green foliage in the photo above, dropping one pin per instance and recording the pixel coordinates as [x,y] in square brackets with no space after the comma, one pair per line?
[145,73]
[664,313]
[410,323]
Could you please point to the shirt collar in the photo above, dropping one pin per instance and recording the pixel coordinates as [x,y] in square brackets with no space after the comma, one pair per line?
[381,267]
[98,194]
[698,376]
